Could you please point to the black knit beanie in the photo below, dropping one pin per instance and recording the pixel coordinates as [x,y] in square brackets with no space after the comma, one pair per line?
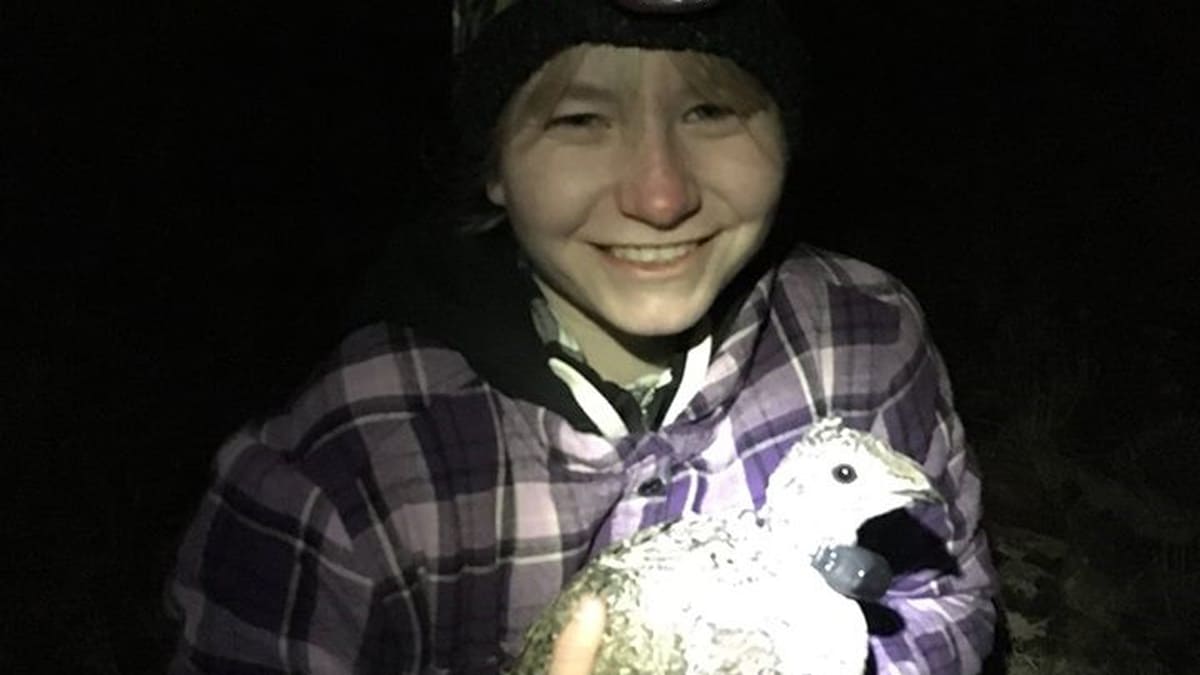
[513,45]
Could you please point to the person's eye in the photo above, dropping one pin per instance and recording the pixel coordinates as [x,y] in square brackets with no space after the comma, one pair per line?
[577,121]
[709,112]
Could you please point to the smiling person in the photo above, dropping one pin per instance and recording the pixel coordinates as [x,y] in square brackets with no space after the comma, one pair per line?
[635,196]
[610,329]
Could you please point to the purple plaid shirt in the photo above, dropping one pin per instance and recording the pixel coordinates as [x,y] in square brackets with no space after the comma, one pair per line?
[403,515]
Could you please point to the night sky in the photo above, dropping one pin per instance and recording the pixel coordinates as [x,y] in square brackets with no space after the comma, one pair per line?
[191,193]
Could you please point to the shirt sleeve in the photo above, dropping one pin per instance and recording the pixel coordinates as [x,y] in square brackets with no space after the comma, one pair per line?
[268,580]
[938,618]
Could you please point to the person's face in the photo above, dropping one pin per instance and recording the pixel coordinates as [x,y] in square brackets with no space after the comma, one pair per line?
[638,204]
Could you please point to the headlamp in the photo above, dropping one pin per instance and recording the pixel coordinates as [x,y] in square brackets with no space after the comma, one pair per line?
[666,6]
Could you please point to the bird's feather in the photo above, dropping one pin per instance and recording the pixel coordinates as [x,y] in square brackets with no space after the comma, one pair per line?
[736,592]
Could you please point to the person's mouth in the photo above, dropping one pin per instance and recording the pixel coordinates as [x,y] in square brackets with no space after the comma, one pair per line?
[654,255]
[659,255]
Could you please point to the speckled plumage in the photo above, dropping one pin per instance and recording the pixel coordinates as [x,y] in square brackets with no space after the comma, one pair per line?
[736,592]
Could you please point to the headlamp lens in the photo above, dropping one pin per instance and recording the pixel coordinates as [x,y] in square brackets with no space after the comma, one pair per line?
[666,6]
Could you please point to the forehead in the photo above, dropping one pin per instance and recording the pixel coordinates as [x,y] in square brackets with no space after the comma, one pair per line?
[628,72]
[623,70]
[595,72]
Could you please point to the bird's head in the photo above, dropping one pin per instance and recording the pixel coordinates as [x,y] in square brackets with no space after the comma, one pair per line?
[836,478]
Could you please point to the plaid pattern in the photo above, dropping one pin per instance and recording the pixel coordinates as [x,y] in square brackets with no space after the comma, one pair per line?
[403,516]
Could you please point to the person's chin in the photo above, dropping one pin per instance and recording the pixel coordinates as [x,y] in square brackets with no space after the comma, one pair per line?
[656,324]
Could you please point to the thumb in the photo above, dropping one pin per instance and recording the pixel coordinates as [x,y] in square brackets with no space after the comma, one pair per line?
[575,650]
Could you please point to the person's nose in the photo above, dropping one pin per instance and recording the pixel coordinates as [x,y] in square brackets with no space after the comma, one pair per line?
[658,187]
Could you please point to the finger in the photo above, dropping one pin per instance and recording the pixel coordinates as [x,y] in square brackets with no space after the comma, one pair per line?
[575,650]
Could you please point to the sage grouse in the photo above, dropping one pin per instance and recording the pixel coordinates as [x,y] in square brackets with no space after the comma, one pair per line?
[742,592]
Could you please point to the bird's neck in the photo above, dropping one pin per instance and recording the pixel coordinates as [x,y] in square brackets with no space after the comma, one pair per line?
[808,530]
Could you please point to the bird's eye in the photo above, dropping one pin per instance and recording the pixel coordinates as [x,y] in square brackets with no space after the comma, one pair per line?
[844,473]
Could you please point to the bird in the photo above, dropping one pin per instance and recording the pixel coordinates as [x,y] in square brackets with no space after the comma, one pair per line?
[745,591]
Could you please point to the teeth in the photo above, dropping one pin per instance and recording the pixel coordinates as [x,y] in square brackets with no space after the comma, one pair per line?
[651,254]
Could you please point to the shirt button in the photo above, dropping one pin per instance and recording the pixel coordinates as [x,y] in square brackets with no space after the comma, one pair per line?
[655,487]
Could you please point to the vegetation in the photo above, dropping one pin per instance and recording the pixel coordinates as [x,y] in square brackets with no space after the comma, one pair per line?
[1095,528]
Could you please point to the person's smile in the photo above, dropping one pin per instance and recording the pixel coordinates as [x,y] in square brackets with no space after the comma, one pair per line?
[641,198]
[658,261]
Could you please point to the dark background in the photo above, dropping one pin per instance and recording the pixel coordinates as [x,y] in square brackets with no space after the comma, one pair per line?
[190,193]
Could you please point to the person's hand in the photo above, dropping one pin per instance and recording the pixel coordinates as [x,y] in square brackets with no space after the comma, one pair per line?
[575,650]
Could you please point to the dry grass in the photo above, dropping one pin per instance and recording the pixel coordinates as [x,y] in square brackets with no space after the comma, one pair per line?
[1097,546]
